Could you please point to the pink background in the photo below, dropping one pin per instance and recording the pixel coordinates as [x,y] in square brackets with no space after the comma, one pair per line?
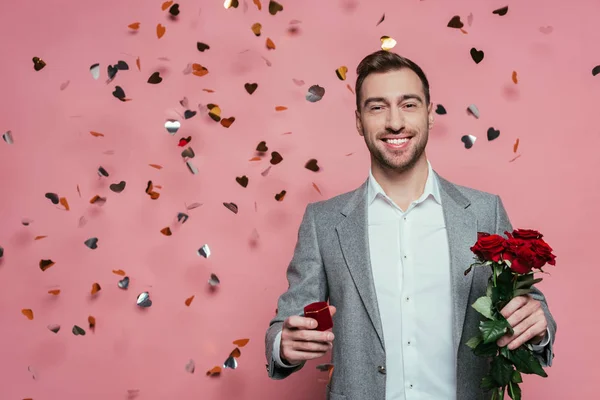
[552,186]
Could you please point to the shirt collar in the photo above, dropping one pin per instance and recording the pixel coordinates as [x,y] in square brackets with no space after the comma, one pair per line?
[432,187]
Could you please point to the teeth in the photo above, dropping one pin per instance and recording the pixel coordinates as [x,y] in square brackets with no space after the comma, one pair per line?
[396,141]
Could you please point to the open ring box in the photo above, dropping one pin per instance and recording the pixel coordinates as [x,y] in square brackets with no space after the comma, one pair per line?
[320,312]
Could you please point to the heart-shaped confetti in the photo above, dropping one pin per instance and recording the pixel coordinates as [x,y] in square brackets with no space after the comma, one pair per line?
[257,4]
[280,108]
[270,45]
[279,196]
[98,200]
[166,231]
[95,288]
[204,251]
[123,283]
[1,251]
[78,331]
[455,22]
[189,114]
[28,312]
[155,78]
[492,133]
[256,28]
[477,55]
[515,79]
[231,4]
[241,342]
[172,126]
[119,93]
[118,187]
[214,280]
[199,70]
[191,167]
[231,207]
[150,191]
[341,72]
[143,300]
[473,110]
[122,65]
[166,5]
[242,180]
[45,264]
[64,85]
[274,7]
[190,366]
[470,19]
[516,146]
[214,112]
[298,82]
[381,20]
[501,11]
[135,26]
[160,30]
[111,71]
[231,363]
[54,328]
[226,122]
[188,153]
[315,93]
[38,63]
[54,292]
[174,10]
[92,323]
[266,171]
[184,141]
[64,203]
[468,140]
[262,147]
[312,165]
[251,87]
[102,172]
[118,272]
[202,46]
[317,188]
[276,158]
[596,70]
[182,217]
[7,136]
[92,243]
[387,43]
[189,300]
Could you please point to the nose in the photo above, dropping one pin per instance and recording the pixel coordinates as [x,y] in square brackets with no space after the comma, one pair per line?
[395,120]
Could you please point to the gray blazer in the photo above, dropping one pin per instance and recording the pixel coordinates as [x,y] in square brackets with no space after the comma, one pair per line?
[331,262]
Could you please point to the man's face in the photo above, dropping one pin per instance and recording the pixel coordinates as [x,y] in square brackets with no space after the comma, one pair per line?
[394,119]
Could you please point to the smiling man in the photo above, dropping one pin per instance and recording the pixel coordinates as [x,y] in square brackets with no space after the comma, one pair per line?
[390,258]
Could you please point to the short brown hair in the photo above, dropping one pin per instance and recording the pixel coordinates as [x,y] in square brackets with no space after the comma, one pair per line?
[384,61]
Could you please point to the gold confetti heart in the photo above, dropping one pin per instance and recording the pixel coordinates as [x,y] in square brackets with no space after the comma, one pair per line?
[270,44]
[387,43]
[256,28]
[40,237]
[155,166]
[135,26]
[189,300]
[214,112]
[54,292]
[516,146]
[96,288]
[160,30]
[119,272]
[258,5]
[241,342]
[199,70]
[64,203]
[226,122]
[28,313]
[166,5]
[514,77]
[166,231]
[137,62]
[317,188]
[341,72]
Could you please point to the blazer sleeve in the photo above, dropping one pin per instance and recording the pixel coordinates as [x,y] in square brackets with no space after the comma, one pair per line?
[545,354]
[307,283]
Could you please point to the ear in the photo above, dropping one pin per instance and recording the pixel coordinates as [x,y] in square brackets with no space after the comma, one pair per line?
[430,116]
[359,126]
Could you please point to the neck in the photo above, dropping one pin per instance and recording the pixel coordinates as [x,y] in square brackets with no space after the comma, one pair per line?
[402,187]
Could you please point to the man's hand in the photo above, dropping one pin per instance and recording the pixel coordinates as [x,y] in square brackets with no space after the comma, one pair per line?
[300,342]
[528,320]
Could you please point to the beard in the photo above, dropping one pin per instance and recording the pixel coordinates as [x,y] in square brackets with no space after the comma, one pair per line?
[399,160]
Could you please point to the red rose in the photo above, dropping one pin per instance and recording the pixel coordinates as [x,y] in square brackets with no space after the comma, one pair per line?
[543,253]
[520,255]
[526,234]
[488,247]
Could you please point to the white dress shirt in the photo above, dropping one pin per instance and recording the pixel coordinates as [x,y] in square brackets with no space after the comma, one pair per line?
[410,262]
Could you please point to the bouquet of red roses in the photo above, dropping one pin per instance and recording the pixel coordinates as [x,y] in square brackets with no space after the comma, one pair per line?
[513,261]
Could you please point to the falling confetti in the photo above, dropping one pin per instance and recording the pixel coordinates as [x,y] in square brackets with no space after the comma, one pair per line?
[118,187]
[266,171]
[341,72]
[95,288]
[123,283]
[45,264]
[204,251]
[199,70]
[473,110]
[251,87]
[189,300]
[381,19]
[172,126]
[312,165]
[257,4]
[468,140]
[492,134]
[455,22]
[193,205]
[182,217]
[270,45]
[143,300]
[470,19]
[276,158]
[54,328]
[53,197]
[150,191]
[174,10]
[516,146]
[190,366]
[231,4]
[226,122]
[188,153]
[280,108]
[256,28]
[595,71]
[54,292]
[242,180]
[155,78]
[215,371]
[64,85]
[315,93]
[214,280]
[477,55]
[298,82]
[92,243]
[92,323]
[8,137]
[96,134]
[119,272]
[202,46]
[38,63]
[119,93]
[274,7]
[166,231]
[98,200]
[155,166]
[440,110]
[280,196]
[514,77]
[191,167]
[387,43]
[38,238]
[28,313]
[78,331]
[64,203]
[160,31]
[501,11]
[317,188]
[134,26]
[546,30]
[166,5]
[514,158]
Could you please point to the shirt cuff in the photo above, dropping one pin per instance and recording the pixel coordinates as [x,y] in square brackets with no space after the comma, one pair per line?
[540,346]
[277,351]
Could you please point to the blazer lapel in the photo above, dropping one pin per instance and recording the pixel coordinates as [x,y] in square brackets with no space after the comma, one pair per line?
[353,235]
[461,227]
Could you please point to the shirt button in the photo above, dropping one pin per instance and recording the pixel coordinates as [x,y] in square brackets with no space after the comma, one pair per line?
[404,256]
[409,342]
[381,369]
[407,299]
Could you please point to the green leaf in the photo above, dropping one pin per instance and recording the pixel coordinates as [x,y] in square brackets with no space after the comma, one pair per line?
[516,377]
[474,341]
[501,370]
[521,292]
[486,349]
[493,330]
[514,391]
[526,362]
[526,281]
[483,305]
[487,383]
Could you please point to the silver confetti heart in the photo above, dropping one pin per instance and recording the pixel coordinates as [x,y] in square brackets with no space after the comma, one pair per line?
[473,110]
[468,140]
[214,280]
[231,362]
[182,217]
[92,243]
[315,93]
[204,251]
[193,205]
[95,70]
[8,137]
[143,300]
[172,126]
[124,283]
[190,366]
[188,153]
[54,328]
[78,331]
[191,167]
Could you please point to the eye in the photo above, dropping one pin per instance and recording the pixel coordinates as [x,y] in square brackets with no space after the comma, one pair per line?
[410,105]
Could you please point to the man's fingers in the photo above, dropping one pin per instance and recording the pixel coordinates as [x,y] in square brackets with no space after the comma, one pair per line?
[302,355]
[332,310]
[311,346]
[514,305]
[531,308]
[305,335]
[298,322]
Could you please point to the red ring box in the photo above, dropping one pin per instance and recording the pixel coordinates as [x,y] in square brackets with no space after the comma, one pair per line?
[320,312]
